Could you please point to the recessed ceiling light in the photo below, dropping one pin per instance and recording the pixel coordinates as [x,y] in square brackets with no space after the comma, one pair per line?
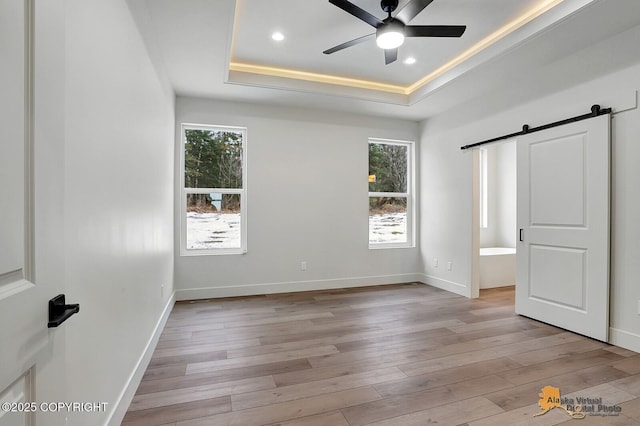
[277,36]
[410,60]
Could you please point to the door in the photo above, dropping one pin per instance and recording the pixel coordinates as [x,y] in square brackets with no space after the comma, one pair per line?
[31,355]
[563,220]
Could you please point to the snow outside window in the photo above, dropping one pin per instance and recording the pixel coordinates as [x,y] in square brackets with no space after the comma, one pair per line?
[390,193]
[213,199]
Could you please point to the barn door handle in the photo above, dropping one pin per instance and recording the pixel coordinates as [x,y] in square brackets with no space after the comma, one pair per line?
[521,239]
[59,312]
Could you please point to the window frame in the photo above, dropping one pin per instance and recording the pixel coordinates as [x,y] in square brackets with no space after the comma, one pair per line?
[409,194]
[184,251]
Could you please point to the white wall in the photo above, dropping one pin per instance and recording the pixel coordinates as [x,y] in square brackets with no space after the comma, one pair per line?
[118,201]
[307,201]
[488,235]
[506,188]
[501,165]
[446,230]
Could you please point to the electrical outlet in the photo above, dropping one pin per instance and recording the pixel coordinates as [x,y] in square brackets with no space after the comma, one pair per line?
[435,262]
[303,265]
[449,266]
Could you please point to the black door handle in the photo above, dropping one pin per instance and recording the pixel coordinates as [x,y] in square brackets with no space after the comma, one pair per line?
[521,239]
[59,312]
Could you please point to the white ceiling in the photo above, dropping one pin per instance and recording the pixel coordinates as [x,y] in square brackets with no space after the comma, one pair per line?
[195,41]
[314,26]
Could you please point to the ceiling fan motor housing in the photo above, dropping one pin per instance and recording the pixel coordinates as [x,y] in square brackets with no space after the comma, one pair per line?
[389,5]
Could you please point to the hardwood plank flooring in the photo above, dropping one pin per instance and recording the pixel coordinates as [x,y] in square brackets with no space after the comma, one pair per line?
[405,354]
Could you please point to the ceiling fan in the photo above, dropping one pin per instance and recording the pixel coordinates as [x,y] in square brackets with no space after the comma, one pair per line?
[390,33]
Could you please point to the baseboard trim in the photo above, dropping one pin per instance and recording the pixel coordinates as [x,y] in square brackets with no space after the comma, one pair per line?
[624,339]
[126,396]
[290,287]
[443,284]
[496,285]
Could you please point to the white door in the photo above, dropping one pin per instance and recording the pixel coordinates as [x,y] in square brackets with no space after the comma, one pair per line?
[31,356]
[563,220]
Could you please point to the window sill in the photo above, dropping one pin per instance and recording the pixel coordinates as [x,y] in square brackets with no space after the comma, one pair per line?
[391,246]
[218,252]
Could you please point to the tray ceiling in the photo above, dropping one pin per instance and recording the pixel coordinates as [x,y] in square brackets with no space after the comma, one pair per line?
[223,49]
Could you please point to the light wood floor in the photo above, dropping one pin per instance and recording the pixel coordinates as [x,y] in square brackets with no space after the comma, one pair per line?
[389,355]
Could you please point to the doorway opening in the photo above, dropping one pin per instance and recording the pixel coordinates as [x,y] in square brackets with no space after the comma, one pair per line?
[494,216]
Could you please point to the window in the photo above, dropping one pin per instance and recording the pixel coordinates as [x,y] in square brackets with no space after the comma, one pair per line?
[390,193]
[213,200]
[484,192]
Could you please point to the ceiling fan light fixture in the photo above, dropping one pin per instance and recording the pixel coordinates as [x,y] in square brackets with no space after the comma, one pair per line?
[390,40]
[390,36]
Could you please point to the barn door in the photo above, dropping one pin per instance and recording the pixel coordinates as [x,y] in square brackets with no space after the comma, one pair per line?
[563,224]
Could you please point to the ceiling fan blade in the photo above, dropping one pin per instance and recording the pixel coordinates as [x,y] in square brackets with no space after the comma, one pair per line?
[349,44]
[411,10]
[390,55]
[434,30]
[361,14]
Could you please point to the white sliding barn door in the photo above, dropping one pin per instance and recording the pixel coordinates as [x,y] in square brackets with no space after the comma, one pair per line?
[31,365]
[563,221]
